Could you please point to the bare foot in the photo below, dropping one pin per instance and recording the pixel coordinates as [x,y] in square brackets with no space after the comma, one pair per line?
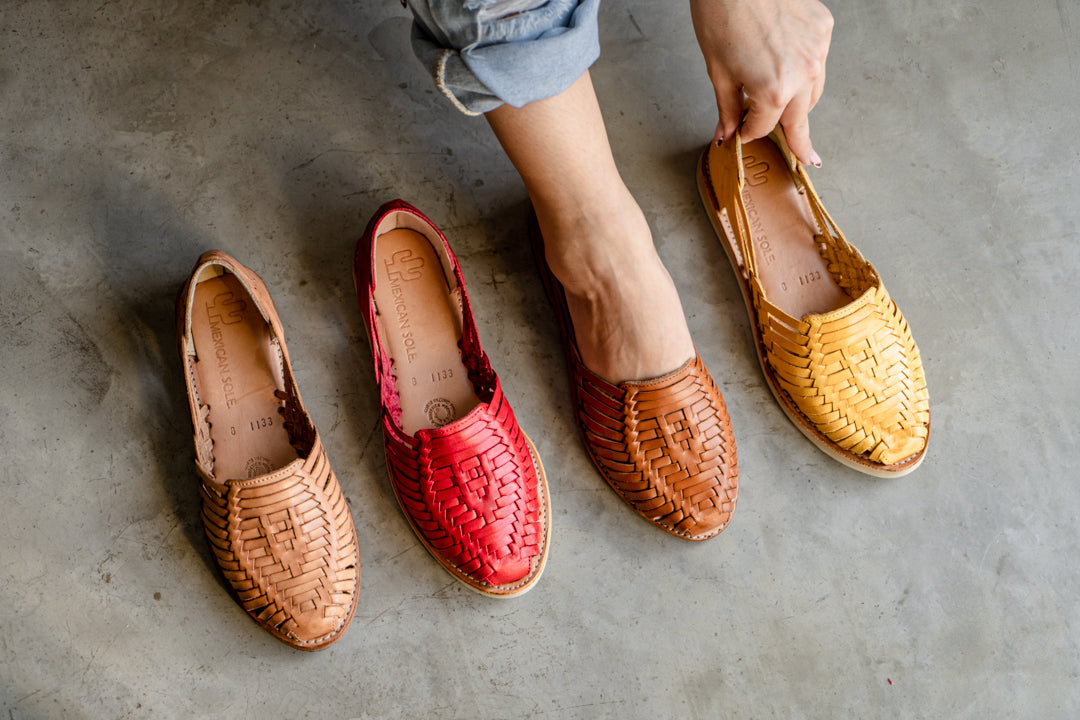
[627,316]
[626,313]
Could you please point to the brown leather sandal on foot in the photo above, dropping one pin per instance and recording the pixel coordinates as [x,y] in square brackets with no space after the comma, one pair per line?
[664,444]
[276,518]
[834,348]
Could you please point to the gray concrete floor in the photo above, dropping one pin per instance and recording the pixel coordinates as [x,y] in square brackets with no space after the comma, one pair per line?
[136,134]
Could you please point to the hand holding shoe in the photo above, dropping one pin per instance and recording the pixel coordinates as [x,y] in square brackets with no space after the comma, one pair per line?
[766,59]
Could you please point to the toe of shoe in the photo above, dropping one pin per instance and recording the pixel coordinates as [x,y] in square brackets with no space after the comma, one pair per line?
[703,512]
[316,629]
[900,446]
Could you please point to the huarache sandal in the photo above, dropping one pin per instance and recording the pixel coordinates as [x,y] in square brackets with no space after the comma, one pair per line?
[663,444]
[834,348]
[276,518]
[467,478]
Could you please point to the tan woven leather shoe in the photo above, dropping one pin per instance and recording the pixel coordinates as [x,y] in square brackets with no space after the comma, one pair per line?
[276,518]
[834,347]
[664,445]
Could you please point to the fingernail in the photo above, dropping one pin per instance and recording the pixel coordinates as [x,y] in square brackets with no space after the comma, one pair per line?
[815,159]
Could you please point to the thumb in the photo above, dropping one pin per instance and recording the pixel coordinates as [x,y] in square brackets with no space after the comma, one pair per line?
[760,120]
[729,104]
[796,126]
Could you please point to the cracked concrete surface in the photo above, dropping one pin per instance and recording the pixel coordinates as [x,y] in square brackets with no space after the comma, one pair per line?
[136,134]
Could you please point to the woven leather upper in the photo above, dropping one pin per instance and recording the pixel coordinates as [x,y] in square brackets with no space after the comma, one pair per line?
[471,491]
[665,446]
[852,377]
[286,543]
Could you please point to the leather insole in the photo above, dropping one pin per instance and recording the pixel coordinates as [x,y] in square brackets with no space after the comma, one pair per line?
[237,371]
[792,272]
[420,323]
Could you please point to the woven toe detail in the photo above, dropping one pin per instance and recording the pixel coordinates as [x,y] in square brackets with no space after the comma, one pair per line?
[472,492]
[855,374]
[286,544]
[665,446]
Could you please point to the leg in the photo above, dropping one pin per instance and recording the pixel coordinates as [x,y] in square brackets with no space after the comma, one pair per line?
[664,445]
[626,312]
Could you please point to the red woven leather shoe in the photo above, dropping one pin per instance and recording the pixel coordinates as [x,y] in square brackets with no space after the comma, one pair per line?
[467,478]
[276,518]
[664,445]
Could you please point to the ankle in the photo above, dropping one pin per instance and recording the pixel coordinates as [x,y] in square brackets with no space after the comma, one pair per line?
[596,246]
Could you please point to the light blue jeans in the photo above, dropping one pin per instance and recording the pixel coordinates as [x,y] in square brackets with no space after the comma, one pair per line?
[483,53]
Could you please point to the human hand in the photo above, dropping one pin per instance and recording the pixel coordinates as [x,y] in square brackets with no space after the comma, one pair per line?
[766,59]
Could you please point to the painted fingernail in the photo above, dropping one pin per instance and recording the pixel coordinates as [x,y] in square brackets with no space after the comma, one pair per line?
[815,159]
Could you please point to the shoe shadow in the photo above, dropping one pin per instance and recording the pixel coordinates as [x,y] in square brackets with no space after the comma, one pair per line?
[149,251]
[327,226]
[513,314]
[711,281]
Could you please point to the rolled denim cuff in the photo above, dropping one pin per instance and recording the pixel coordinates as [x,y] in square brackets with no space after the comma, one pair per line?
[479,63]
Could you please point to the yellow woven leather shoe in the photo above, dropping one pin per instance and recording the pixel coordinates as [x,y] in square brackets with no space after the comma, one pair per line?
[834,347]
